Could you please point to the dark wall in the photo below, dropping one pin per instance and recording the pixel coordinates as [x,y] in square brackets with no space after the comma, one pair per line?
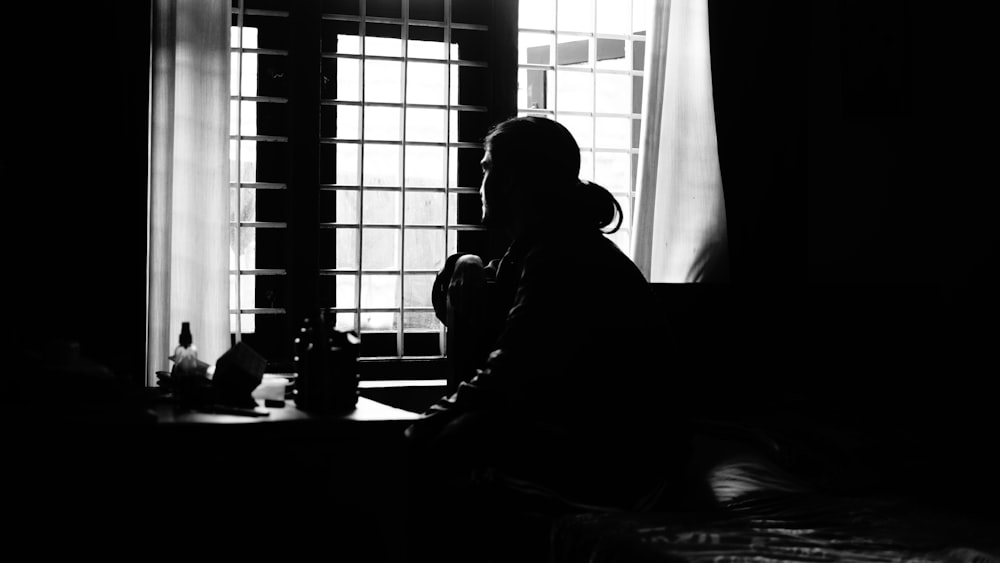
[860,224]
[76,90]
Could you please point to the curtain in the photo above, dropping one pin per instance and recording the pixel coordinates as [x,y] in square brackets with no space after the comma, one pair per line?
[680,221]
[188,238]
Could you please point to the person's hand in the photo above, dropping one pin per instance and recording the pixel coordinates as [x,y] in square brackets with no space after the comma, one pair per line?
[460,262]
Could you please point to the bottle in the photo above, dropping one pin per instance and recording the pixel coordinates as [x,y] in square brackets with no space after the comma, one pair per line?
[186,354]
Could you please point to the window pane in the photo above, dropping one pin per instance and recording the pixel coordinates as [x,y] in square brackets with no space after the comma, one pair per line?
[473,45]
[383,124]
[537,14]
[613,93]
[259,118]
[383,40]
[268,76]
[575,91]
[535,88]
[383,81]
[337,291]
[426,83]
[338,248]
[581,127]
[586,165]
[425,166]
[421,321]
[471,11]
[279,5]
[346,291]
[470,126]
[640,16]
[272,32]
[380,342]
[249,35]
[338,164]
[234,194]
[342,122]
[473,86]
[424,249]
[417,290]
[258,205]
[638,54]
[341,79]
[535,48]
[262,248]
[381,207]
[379,292]
[383,8]
[432,10]
[611,54]
[424,208]
[422,343]
[341,37]
[573,51]
[425,42]
[341,7]
[425,125]
[613,132]
[261,161]
[234,75]
[636,94]
[339,206]
[380,249]
[381,166]
[612,170]
[576,15]
[346,321]
[262,292]
[612,17]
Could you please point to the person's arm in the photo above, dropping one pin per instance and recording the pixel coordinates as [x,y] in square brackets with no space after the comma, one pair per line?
[505,379]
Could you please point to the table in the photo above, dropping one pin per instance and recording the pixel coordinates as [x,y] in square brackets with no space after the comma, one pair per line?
[338,480]
[367,411]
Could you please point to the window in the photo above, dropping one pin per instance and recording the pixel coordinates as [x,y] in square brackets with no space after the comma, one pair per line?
[580,62]
[356,132]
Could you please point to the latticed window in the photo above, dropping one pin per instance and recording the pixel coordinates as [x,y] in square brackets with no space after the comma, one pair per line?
[356,134]
[580,62]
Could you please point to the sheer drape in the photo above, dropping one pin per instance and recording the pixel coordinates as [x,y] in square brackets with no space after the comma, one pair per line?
[188,261]
[680,221]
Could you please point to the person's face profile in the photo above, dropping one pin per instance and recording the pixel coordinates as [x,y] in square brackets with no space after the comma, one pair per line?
[488,191]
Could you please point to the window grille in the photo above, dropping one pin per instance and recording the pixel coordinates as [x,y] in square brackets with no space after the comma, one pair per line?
[580,62]
[398,176]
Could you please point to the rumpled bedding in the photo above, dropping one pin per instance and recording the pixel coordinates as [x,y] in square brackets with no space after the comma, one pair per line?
[762,518]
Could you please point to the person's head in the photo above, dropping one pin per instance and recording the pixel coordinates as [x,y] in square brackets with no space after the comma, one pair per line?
[531,170]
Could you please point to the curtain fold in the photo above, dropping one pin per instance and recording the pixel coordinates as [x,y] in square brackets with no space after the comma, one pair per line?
[188,231]
[680,222]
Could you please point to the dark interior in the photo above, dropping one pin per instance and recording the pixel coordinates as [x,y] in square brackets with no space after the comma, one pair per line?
[861,301]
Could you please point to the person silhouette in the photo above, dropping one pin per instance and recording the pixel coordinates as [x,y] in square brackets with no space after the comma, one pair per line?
[552,406]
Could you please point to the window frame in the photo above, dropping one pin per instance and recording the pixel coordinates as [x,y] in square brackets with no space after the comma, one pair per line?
[303,187]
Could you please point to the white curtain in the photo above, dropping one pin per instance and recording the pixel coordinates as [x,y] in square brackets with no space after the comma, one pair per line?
[680,221]
[188,239]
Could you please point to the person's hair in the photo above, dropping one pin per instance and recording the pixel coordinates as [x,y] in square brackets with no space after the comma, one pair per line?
[549,155]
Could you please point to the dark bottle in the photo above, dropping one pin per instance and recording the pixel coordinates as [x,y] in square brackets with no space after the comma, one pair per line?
[326,365]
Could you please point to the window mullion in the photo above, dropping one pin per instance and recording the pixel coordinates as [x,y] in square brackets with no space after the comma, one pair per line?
[402,181]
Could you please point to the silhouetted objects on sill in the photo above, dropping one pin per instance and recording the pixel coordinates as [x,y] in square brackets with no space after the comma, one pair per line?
[326,361]
[237,373]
